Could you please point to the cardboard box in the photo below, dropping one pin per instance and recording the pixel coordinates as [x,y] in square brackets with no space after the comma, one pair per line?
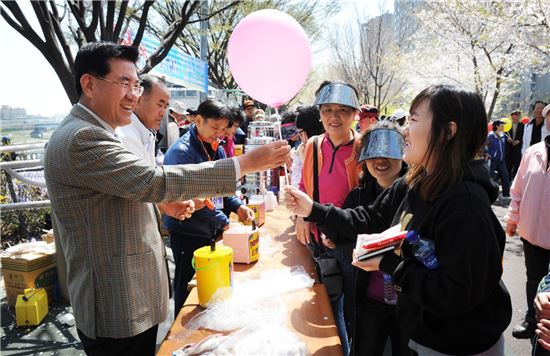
[29,270]
[48,236]
[259,212]
[244,241]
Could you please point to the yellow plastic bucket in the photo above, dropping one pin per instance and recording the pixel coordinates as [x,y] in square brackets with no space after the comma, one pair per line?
[214,270]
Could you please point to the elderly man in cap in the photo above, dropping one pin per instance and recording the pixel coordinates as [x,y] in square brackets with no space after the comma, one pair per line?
[249,109]
[513,144]
[178,112]
[330,171]
[368,115]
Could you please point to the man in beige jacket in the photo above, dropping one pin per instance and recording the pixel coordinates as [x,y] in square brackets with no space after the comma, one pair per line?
[102,197]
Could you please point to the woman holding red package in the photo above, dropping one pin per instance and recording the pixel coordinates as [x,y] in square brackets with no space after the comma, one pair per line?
[381,158]
[462,307]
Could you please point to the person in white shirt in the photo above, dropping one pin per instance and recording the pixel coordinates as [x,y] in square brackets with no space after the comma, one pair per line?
[139,136]
[536,130]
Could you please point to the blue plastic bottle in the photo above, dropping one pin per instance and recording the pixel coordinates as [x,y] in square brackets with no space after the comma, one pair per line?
[423,250]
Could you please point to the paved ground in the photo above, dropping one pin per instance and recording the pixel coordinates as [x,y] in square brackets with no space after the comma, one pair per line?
[53,337]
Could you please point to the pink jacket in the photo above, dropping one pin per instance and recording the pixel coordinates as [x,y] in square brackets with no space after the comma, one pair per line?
[530,192]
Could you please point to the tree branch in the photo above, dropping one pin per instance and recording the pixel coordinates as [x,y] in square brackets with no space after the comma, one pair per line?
[23,27]
[142,23]
[109,21]
[120,20]
[215,12]
[62,41]
[101,19]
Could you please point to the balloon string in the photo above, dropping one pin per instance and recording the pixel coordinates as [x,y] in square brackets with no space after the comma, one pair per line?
[287,181]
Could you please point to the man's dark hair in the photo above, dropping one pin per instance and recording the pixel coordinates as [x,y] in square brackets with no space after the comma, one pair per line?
[235,117]
[309,120]
[539,102]
[93,58]
[213,109]
[148,81]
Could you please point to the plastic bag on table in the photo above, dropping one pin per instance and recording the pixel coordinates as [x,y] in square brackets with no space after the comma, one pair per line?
[250,302]
[267,248]
[266,340]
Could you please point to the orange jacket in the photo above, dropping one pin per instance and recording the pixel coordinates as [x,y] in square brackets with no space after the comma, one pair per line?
[352,168]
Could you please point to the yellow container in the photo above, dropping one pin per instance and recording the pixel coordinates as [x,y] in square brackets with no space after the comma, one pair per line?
[214,270]
[31,307]
[238,150]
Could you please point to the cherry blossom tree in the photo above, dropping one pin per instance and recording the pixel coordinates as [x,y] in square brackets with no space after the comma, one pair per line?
[483,45]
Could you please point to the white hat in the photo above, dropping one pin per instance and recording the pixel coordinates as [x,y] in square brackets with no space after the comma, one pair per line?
[545,110]
[179,108]
[399,114]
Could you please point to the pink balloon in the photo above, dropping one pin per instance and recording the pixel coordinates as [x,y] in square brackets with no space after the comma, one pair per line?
[269,56]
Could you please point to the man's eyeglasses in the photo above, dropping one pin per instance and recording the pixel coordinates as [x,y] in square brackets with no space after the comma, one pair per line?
[136,89]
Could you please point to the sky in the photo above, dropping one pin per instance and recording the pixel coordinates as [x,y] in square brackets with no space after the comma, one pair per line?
[28,80]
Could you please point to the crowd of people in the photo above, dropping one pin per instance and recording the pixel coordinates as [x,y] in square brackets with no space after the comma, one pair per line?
[127,163]
[505,148]
[432,181]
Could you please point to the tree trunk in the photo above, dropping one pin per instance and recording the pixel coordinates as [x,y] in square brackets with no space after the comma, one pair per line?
[495,94]
[66,78]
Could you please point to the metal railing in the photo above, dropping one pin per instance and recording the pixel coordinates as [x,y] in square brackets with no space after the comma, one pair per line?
[27,167]
[25,152]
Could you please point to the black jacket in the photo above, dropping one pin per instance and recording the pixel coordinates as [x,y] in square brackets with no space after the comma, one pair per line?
[463,307]
[363,195]
[515,150]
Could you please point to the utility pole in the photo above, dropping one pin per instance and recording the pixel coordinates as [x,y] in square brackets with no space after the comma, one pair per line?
[204,42]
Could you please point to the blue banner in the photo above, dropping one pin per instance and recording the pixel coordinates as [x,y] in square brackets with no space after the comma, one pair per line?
[178,67]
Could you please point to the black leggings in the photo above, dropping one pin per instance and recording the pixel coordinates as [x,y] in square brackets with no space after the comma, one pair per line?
[374,323]
[536,265]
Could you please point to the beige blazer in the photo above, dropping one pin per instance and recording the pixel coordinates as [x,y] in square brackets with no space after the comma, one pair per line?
[101,198]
